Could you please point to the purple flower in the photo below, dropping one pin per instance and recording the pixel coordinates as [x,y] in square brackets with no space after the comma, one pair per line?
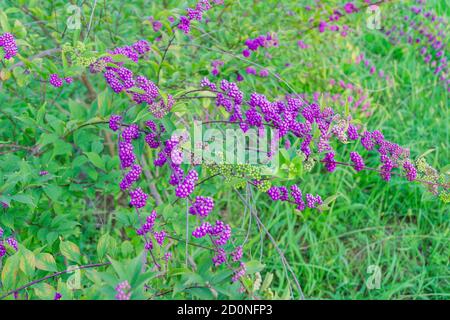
[302,45]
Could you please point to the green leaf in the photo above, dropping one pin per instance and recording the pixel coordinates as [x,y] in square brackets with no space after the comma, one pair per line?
[53,192]
[27,261]
[96,160]
[45,261]
[10,272]
[4,22]
[62,148]
[70,250]
[106,245]
[267,281]
[254,266]
[23,198]
[44,291]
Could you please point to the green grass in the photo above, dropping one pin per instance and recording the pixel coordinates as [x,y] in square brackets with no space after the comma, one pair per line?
[395,226]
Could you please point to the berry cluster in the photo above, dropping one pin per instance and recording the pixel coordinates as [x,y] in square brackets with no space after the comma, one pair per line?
[131,177]
[126,154]
[195,13]
[8,43]
[264,41]
[57,82]
[138,198]
[148,227]
[236,255]
[219,233]
[11,242]
[114,122]
[330,163]
[123,290]
[294,196]
[216,64]
[202,206]
[358,162]
[186,187]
